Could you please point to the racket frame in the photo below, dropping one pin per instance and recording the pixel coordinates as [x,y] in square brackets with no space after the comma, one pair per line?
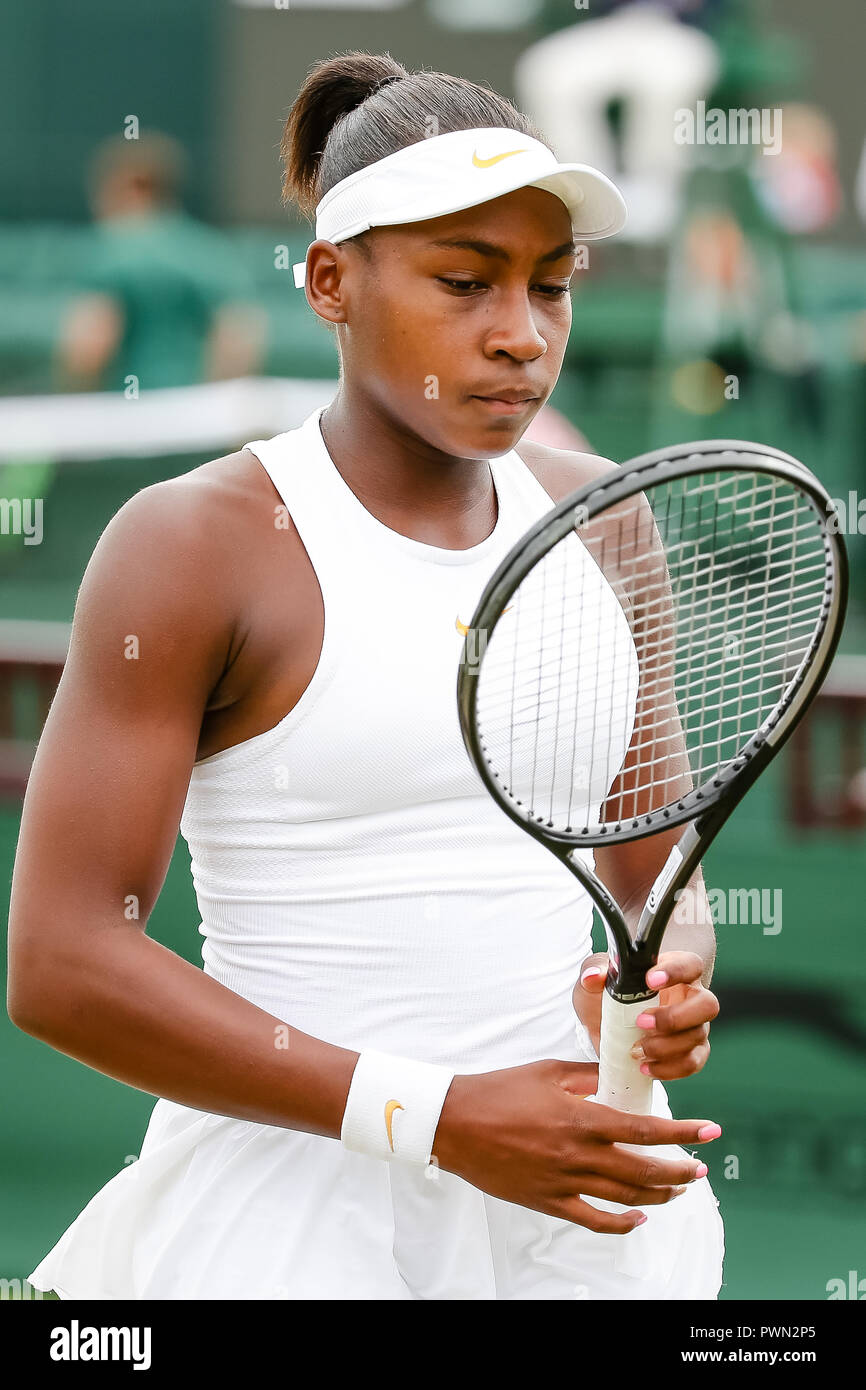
[705,809]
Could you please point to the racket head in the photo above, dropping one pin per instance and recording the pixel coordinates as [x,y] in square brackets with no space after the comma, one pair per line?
[739,547]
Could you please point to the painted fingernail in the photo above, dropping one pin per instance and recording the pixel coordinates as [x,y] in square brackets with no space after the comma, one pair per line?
[656,978]
[645,1069]
[710,1132]
[645,1021]
[590,974]
[701,1170]
[640,1221]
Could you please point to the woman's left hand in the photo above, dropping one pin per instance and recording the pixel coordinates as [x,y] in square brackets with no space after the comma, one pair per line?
[675,1039]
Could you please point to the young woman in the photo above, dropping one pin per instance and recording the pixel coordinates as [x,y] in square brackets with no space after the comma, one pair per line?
[375,1088]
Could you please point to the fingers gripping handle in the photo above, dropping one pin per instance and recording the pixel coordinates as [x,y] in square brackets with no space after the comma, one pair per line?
[620,1080]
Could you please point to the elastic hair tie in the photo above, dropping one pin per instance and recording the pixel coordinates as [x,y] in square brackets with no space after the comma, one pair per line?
[386,82]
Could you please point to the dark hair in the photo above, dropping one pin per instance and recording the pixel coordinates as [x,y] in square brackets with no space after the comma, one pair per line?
[360,107]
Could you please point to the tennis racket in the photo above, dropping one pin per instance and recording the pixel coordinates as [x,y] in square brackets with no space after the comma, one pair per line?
[633,665]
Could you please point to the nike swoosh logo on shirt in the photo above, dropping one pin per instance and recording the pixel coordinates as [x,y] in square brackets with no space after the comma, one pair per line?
[462,628]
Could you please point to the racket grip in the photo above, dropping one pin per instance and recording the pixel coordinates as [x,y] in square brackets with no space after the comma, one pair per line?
[621,1083]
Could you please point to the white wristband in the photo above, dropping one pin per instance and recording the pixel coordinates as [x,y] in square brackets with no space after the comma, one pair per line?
[393,1107]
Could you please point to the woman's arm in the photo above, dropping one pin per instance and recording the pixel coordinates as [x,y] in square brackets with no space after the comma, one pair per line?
[656,772]
[90,334]
[152,633]
[630,871]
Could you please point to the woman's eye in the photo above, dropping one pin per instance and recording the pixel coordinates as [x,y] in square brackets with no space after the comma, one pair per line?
[462,284]
[549,291]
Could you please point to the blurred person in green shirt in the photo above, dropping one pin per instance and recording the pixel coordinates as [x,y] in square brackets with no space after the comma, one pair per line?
[165,302]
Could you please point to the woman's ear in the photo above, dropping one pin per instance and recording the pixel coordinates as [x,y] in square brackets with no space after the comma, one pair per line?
[326,265]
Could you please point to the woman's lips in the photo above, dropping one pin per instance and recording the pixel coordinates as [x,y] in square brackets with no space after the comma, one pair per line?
[497,406]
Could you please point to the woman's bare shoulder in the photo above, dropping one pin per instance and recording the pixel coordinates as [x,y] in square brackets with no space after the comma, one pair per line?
[213,512]
[233,480]
[181,547]
[561,471]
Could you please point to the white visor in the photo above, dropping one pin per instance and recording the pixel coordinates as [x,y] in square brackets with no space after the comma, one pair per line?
[460,170]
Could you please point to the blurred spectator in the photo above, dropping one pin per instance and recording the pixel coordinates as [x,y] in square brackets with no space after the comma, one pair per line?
[638,54]
[801,188]
[166,301]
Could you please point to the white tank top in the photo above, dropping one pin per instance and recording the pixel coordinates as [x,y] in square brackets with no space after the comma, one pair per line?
[353,876]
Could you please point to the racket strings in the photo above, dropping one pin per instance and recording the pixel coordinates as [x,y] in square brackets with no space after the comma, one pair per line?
[644,650]
[655,664]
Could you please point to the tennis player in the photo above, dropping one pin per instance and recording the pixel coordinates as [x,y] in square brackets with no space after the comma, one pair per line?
[376,1088]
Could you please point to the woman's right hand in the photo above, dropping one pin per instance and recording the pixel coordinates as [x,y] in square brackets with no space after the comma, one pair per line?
[528,1135]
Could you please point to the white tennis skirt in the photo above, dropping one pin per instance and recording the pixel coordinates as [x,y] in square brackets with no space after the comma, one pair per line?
[218,1208]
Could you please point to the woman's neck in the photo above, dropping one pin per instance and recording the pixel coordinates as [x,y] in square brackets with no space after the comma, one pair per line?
[405,482]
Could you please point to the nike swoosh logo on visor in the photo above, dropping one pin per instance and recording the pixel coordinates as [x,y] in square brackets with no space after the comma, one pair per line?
[488,163]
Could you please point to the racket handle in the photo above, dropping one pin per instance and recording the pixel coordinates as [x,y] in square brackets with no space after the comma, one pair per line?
[621,1083]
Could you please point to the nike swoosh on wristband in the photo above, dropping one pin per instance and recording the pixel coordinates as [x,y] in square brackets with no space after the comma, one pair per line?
[390,1107]
[488,163]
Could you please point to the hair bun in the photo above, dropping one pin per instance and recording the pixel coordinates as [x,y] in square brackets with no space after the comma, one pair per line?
[332,89]
[347,116]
